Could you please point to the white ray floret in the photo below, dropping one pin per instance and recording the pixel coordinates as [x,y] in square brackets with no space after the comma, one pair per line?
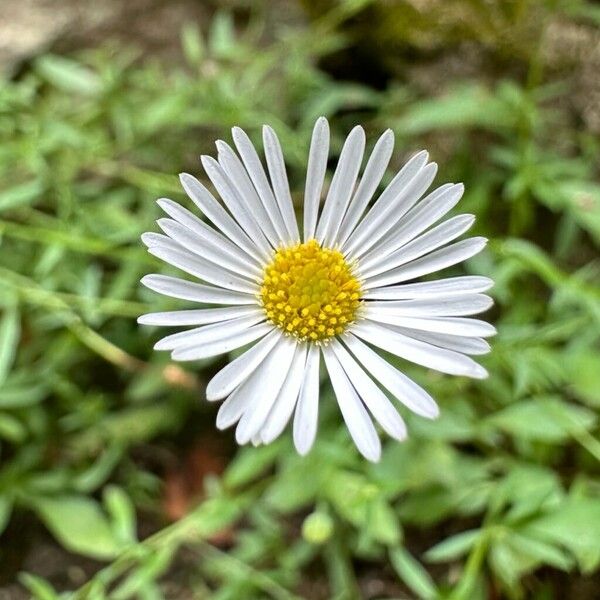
[342,291]
[341,187]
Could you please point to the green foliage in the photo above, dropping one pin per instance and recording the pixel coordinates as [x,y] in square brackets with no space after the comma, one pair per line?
[503,487]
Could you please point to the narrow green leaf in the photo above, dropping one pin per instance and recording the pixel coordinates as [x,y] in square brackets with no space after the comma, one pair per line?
[192,43]
[122,512]
[5,512]
[222,35]
[10,333]
[412,573]
[20,395]
[68,75]
[39,587]
[20,194]
[93,477]
[12,429]
[453,547]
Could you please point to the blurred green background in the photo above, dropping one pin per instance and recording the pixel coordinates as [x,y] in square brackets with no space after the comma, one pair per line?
[114,482]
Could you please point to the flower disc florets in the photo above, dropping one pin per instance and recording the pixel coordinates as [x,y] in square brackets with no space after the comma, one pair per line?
[310,292]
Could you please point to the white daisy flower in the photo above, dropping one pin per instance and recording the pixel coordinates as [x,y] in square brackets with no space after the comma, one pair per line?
[337,288]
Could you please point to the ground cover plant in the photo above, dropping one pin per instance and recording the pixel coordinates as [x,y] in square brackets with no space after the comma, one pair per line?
[108,451]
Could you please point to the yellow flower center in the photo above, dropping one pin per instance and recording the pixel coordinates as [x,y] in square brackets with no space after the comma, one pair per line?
[310,292]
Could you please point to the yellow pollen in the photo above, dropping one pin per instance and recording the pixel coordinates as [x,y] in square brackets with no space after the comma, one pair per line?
[310,292]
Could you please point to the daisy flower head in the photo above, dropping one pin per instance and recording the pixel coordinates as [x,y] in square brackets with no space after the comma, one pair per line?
[338,287]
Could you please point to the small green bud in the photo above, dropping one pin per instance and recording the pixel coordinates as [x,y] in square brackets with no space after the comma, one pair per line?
[317,528]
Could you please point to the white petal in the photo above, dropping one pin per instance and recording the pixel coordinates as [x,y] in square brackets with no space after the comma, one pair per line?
[399,385]
[194,292]
[283,407]
[257,174]
[200,316]
[449,325]
[232,375]
[356,417]
[452,306]
[263,386]
[428,242]
[315,175]
[279,179]
[239,178]
[418,352]
[375,400]
[397,198]
[307,408]
[417,219]
[342,186]
[207,203]
[203,269]
[208,249]
[209,333]
[440,259]
[207,233]
[236,205]
[389,216]
[150,239]
[222,346]
[466,345]
[374,171]
[232,409]
[451,286]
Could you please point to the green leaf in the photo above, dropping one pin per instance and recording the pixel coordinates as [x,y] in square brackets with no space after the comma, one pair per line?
[12,429]
[15,394]
[20,194]
[122,512]
[382,523]
[127,426]
[582,200]
[351,495]
[542,552]
[152,566]
[544,419]
[453,547]
[506,563]
[6,506]
[412,573]
[79,525]
[528,489]
[68,75]
[584,376]
[513,555]
[222,35]
[10,333]
[456,423]
[249,464]
[39,587]
[94,476]
[297,484]
[216,514]
[464,106]
[192,43]
[427,506]
[575,524]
